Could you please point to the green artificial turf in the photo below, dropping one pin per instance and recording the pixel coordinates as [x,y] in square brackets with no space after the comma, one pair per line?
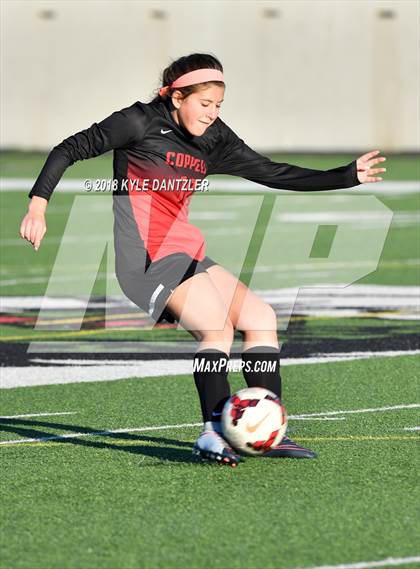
[138,499]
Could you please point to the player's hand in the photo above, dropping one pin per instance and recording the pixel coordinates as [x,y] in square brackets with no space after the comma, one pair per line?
[33,226]
[365,172]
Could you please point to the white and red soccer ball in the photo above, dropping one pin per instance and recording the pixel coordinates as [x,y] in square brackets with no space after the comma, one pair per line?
[254,420]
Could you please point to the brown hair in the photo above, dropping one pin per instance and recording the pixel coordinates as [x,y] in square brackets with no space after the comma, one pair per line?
[184,65]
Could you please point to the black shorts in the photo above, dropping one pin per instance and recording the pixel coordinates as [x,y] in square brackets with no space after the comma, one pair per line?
[150,289]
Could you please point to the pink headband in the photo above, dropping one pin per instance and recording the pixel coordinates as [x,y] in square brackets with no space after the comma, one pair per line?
[192,78]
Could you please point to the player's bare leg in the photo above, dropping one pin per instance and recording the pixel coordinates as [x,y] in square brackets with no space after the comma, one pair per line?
[199,308]
[249,314]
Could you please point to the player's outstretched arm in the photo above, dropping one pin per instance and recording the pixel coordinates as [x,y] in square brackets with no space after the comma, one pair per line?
[117,130]
[365,172]
[232,156]
[33,226]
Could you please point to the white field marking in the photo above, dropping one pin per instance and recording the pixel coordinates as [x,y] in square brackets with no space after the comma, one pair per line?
[215,184]
[234,362]
[332,265]
[93,362]
[297,418]
[86,371]
[184,425]
[53,240]
[100,433]
[398,220]
[45,279]
[323,295]
[343,313]
[357,411]
[370,218]
[12,377]
[210,215]
[222,231]
[12,303]
[388,562]
[411,429]
[238,185]
[309,269]
[350,356]
[352,296]
[138,430]
[38,415]
[397,316]
[359,217]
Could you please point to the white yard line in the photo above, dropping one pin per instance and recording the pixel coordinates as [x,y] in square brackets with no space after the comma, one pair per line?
[38,415]
[234,363]
[368,410]
[30,376]
[347,356]
[100,433]
[47,278]
[388,562]
[86,371]
[411,429]
[360,217]
[187,425]
[237,185]
[298,418]
[325,295]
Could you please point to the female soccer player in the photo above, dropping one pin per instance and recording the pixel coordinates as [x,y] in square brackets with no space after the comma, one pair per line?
[162,152]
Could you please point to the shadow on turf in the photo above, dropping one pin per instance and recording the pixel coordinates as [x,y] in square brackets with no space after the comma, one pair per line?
[25,428]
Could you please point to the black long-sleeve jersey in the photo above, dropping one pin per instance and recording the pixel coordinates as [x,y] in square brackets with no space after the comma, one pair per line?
[158,165]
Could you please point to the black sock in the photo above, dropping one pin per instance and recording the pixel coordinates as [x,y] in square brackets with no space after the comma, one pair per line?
[210,376]
[262,368]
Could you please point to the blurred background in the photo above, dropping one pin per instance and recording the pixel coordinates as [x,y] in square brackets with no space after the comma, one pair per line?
[314,83]
[333,75]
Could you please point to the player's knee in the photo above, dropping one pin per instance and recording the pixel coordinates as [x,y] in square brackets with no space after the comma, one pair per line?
[270,317]
[263,319]
[225,334]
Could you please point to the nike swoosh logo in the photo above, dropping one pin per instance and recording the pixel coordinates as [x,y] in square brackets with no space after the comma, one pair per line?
[165,131]
[253,428]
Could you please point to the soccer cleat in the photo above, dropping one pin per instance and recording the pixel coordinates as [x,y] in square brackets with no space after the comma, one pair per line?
[289,449]
[211,446]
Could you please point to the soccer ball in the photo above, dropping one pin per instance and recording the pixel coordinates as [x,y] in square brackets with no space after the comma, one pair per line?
[254,420]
